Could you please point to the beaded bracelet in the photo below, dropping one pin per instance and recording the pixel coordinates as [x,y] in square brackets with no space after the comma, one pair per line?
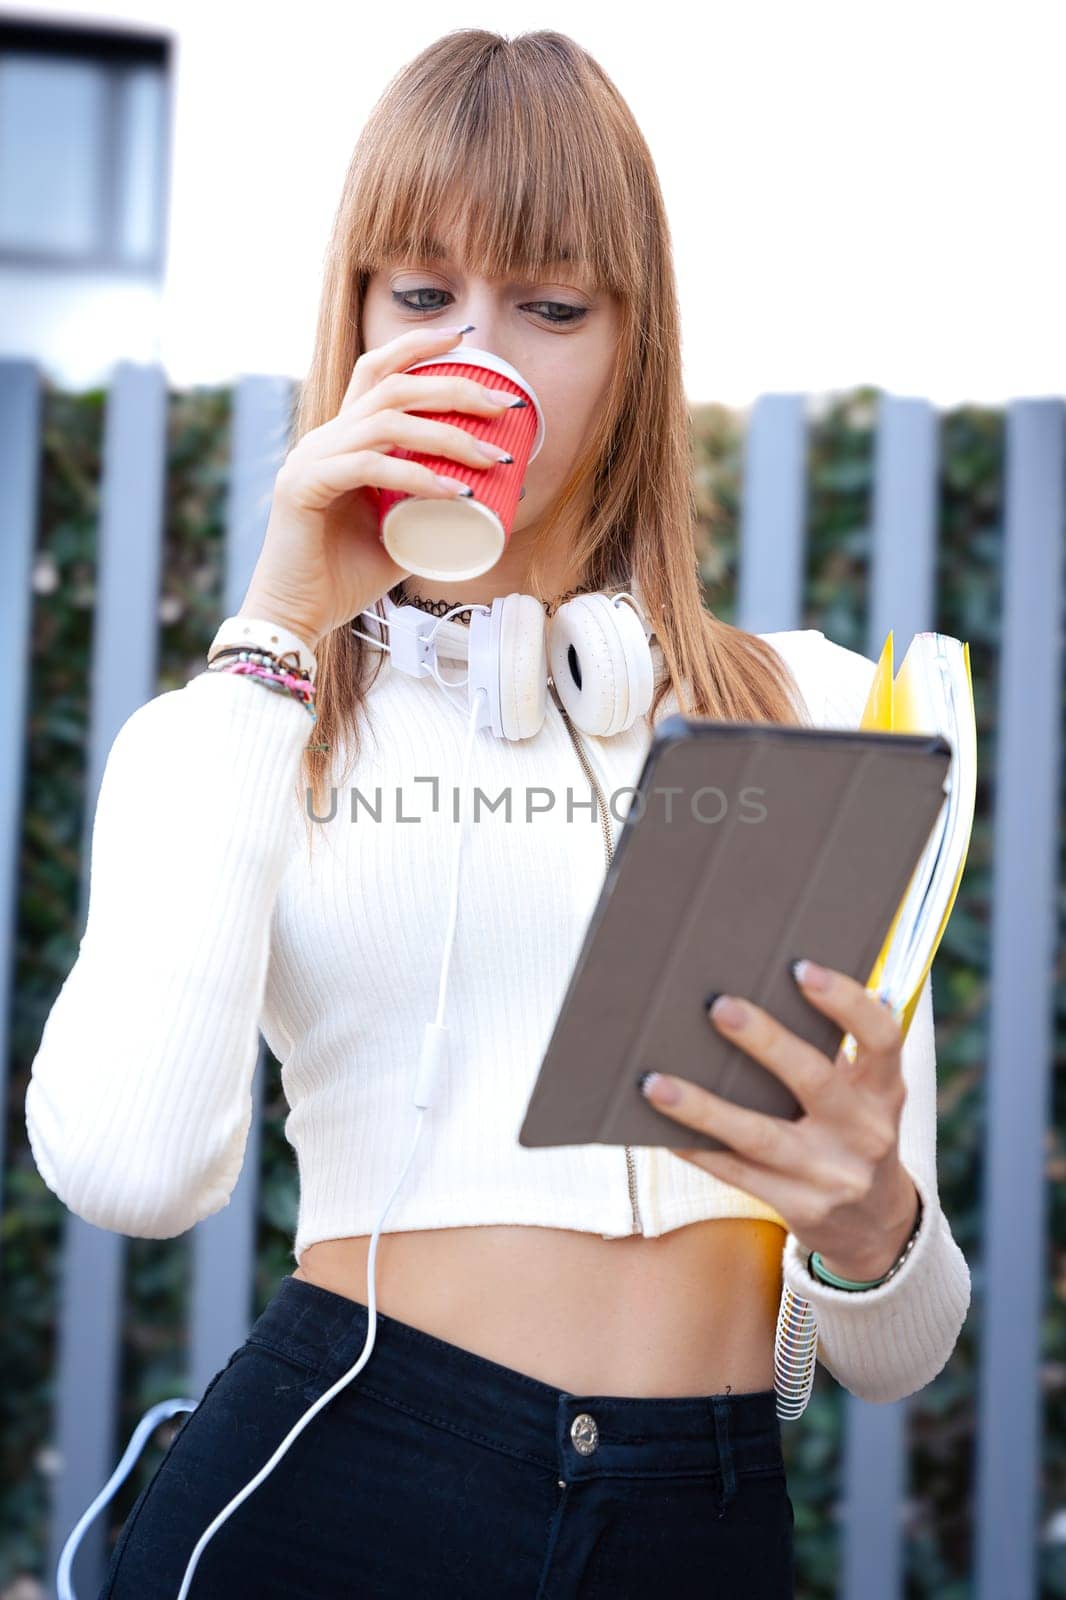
[818,1269]
[266,667]
[267,656]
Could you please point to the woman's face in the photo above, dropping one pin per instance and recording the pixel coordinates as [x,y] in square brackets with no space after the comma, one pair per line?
[559,334]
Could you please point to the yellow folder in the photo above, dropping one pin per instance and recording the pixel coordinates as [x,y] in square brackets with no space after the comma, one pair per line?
[930,688]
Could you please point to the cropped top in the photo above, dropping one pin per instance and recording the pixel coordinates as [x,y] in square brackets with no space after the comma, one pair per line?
[210,920]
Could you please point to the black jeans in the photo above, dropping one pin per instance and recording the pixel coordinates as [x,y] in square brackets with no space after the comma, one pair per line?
[437,1474]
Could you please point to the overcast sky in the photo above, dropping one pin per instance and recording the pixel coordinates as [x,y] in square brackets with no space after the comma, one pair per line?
[858,192]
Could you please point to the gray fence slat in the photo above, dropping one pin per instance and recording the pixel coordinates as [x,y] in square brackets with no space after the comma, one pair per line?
[904,546]
[262,413]
[773,515]
[1025,875]
[124,659]
[901,598]
[224,1245]
[20,456]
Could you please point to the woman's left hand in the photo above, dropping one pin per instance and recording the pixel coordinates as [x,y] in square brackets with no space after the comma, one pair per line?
[835,1174]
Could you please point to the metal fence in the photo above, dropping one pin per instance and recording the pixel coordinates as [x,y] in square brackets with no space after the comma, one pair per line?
[772,558]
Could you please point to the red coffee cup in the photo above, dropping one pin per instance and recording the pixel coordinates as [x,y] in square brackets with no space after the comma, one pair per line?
[461,538]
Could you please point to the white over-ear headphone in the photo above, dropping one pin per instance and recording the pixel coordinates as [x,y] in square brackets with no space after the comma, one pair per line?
[596,650]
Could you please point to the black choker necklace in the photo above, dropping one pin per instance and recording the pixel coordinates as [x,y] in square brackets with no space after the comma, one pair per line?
[438,607]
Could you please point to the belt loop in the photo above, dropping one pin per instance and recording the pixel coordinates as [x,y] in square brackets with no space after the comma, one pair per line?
[724,1442]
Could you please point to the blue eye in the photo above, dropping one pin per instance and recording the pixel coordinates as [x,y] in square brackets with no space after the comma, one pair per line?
[400,297]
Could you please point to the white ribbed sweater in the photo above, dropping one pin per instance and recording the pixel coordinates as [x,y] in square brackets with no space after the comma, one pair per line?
[208,920]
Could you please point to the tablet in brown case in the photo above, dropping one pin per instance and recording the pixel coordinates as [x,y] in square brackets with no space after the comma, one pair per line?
[746,845]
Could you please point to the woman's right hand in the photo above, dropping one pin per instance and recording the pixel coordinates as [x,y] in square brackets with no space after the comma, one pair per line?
[322,561]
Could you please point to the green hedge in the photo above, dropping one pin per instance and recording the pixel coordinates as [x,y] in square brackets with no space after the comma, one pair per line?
[942,1417]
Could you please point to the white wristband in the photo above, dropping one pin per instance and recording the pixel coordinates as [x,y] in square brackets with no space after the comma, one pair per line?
[255,633]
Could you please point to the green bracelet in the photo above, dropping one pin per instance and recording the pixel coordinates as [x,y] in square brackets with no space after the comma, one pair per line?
[817,1268]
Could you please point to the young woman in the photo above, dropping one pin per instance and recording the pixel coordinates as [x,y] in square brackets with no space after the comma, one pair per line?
[571,1389]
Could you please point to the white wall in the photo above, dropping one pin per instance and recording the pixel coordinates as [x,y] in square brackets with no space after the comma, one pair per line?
[858,192]
[73,324]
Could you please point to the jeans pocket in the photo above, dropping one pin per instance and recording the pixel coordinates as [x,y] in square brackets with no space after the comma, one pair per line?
[305,1376]
[324,1377]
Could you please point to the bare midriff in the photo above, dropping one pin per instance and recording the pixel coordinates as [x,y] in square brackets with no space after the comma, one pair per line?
[689,1312]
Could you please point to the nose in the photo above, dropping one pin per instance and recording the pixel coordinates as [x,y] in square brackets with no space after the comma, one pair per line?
[479,306]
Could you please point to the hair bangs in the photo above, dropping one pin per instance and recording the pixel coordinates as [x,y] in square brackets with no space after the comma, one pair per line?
[512,182]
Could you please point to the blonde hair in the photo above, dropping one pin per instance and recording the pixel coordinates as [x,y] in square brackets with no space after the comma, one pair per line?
[529,146]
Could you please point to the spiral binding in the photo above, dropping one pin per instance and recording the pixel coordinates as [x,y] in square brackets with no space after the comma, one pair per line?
[796,1340]
[795,1350]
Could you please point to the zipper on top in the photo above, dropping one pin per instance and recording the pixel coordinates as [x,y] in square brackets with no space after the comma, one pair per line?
[608,843]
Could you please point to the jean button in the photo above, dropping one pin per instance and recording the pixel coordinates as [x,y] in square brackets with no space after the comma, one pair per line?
[584,1433]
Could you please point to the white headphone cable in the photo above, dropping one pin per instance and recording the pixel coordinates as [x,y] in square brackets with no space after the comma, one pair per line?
[430,1062]
[433,1045]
